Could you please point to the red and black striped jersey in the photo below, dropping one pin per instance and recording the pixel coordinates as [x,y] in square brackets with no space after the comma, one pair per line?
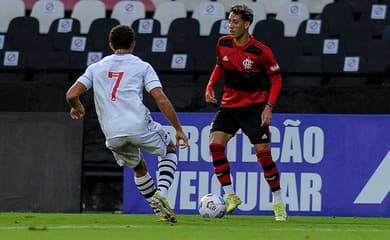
[252,74]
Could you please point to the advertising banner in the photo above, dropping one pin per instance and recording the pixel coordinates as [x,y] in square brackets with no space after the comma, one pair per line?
[330,165]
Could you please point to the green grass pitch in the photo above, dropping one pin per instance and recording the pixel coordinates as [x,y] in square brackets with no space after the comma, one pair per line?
[42,226]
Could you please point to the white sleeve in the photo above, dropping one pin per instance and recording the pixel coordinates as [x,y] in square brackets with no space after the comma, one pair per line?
[86,78]
[151,79]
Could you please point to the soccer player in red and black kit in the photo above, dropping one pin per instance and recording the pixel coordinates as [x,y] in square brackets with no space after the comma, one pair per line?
[251,88]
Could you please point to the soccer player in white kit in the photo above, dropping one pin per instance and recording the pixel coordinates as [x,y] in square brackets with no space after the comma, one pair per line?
[118,81]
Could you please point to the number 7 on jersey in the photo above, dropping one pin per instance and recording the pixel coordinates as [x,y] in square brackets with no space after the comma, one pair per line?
[118,76]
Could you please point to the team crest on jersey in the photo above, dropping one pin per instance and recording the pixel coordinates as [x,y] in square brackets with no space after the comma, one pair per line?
[247,63]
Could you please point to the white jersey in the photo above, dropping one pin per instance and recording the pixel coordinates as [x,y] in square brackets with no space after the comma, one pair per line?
[118,82]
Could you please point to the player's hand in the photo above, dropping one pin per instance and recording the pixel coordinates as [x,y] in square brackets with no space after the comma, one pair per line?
[266,116]
[77,113]
[210,95]
[181,139]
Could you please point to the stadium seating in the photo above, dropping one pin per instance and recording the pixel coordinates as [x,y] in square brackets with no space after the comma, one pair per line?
[20,30]
[377,16]
[46,11]
[86,11]
[191,4]
[316,7]
[146,30]
[348,21]
[168,11]
[62,31]
[286,50]
[338,16]
[207,13]
[292,15]
[259,13]
[128,11]
[10,9]
[206,58]
[304,71]
[228,3]
[269,31]
[97,35]
[273,6]
[188,27]
[184,34]
[157,2]
[312,33]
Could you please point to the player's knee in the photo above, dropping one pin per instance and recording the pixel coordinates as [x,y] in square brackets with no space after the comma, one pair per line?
[216,147]
[171,148]
[140,168]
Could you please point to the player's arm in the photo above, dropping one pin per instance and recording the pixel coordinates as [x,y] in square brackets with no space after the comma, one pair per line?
[77,110]
[166,107]
[215,77]
[276,86]
[274,74]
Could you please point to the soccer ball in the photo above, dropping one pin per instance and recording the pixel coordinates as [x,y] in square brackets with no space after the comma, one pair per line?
[212,206]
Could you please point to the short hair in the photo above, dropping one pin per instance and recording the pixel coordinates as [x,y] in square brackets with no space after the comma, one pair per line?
[121,36]
[244,11]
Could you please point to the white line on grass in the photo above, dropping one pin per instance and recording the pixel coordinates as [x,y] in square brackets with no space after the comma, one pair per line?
[295,229]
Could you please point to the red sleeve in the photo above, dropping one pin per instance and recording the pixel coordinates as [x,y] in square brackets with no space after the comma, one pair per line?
[273,71]
[216,75]
[276,86]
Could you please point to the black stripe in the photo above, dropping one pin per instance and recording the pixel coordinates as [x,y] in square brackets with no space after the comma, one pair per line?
[166,173]
[149,195]
[167,160]
[253,49]
[247,81]
[164,180]
[161,166]
[219,162]
[269,167]
[226,43]
[142,184]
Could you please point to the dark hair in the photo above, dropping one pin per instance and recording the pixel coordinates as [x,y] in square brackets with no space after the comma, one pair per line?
[244,11]
[121,36]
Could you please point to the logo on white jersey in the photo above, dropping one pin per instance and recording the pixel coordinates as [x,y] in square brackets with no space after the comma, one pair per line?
[225,58]
[247,63]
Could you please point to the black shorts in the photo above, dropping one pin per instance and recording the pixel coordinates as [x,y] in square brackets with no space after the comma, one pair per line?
[248,119]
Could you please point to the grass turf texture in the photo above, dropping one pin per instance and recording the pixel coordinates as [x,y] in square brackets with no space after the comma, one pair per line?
[34,226]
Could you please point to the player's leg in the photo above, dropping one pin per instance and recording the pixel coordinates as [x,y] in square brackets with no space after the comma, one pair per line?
[166,170]
[158,142]
[260,137]
[126,154]
[272,176]
[166,175]
[222,130]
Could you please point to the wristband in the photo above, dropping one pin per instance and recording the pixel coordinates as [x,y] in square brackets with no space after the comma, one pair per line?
[209,88]
[270,105]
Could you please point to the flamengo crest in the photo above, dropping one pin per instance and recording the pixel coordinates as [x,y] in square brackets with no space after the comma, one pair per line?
[247,63]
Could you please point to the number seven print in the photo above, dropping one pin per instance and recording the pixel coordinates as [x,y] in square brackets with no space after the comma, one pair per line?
[118,76]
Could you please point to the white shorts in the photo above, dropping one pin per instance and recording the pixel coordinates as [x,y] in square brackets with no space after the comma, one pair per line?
[127,149]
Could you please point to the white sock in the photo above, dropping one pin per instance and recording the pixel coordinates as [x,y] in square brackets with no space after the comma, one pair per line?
[277,197]
[166,169]
[163,192]
[145,185]
[228,189]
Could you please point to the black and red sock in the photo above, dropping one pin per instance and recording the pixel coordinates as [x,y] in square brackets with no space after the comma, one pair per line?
[271,172]
[220,163]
